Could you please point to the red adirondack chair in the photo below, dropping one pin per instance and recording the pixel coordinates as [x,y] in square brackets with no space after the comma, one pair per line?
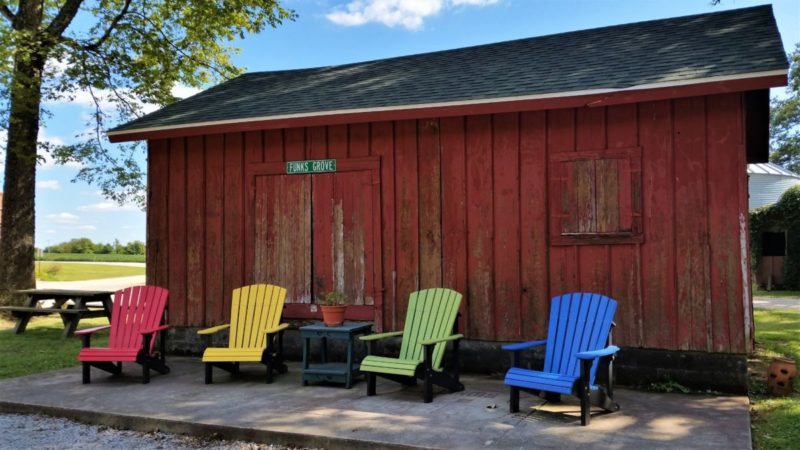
[135,321]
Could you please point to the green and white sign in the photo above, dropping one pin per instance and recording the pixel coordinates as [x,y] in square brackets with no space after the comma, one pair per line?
[311,166]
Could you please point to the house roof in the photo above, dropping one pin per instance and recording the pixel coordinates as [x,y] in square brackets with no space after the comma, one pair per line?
[770,169]
[732,44]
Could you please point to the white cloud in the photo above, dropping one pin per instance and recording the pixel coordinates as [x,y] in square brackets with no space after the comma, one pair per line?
[50,231]
[409,14]
[87,227]
[63,217]
[53,185]
[107,206]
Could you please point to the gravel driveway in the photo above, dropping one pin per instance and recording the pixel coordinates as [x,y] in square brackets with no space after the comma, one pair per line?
[40,432]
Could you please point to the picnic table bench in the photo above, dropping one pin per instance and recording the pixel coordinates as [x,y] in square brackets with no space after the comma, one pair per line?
[72,305]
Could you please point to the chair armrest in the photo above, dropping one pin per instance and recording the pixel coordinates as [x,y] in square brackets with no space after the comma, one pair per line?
[156,329]
[280,327]
[453,337]
[375,337]
[213,330]
[89,331]
[610,350]
[524,345]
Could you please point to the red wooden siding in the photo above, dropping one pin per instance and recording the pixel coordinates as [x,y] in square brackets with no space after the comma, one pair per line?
[467,202]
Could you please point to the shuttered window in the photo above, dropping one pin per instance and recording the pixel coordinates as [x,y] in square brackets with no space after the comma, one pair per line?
[595,197]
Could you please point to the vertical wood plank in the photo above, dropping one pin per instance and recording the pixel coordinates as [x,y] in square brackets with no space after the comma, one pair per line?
[338,142]
[273,145]
[214,216]
[454,210]
[195,229]
[233,223]
[563,259]
[691,227]
[382,144]
[317,142]
[622,132]
[407,215]
[593,261]
[177,231]
[658,249]
[358,141]
[158,171]
[723,139]
[533,223]
[294,144]
[430,204]
[480,227]
[253,153]
[506,201]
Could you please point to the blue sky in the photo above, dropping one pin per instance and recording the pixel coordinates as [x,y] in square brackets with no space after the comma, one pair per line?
[330,32]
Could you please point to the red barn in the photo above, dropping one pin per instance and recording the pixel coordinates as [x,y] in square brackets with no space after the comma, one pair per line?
[609,160]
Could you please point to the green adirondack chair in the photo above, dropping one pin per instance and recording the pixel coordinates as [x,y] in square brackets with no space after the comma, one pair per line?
[431,322]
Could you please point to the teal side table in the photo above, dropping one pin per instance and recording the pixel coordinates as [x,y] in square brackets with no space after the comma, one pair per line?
[338,372]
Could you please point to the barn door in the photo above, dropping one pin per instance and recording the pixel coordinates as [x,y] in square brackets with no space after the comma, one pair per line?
[317,233]
[282,241]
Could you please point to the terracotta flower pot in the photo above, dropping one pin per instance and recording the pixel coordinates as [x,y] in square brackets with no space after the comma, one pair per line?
[333,316]
[780,374]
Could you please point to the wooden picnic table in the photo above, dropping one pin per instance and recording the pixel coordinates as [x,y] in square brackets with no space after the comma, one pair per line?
[72,305]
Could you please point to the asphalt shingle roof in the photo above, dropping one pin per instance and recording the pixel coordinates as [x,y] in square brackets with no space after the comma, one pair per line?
[726,43]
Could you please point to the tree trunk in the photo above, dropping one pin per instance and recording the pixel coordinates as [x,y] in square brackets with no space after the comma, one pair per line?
[18,227]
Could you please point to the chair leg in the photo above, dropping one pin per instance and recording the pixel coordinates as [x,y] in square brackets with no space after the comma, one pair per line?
[584,392]
[145,373]
[370,384]
[269,372]
[514,400]
[87,373]
[209,374]
[427,396]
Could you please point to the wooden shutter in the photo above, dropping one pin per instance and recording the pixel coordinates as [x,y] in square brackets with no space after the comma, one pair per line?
[595,197]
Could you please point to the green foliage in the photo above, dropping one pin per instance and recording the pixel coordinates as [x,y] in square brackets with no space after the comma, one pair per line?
[785,120]
[86,246]
[89,257]
[669,386]
[332,298]
[775,421]
[782,216]
[41,348]
[125,54]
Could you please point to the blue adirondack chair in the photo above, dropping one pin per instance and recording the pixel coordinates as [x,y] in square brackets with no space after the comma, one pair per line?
[578,341]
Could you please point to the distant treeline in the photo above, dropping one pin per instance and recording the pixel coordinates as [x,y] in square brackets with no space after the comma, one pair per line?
[86,246]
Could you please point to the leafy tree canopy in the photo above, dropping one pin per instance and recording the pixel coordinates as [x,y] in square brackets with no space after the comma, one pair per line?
[785,121]
[124,53]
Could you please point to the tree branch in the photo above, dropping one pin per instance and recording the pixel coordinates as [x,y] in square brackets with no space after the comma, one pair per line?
[63,18]
[6,12]
[96,44]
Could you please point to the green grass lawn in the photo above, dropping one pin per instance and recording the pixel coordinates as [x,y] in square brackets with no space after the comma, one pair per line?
[41,348]
[775,420]
[60,271]
[784,294]
[90,257]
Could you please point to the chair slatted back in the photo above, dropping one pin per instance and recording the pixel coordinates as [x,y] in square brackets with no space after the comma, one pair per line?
[254,309]
[579,322]
[136,309]
[431,314]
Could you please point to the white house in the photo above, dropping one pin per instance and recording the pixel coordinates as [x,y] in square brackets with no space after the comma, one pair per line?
[767,182]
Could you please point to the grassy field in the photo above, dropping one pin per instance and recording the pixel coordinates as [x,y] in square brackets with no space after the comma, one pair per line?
[783,294]
[87,257]
[775,420]
[41,348]
[60,271]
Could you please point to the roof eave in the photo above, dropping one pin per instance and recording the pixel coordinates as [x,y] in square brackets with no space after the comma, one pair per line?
[590,98]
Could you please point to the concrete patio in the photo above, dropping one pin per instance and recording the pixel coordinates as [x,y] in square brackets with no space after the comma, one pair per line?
[333,417]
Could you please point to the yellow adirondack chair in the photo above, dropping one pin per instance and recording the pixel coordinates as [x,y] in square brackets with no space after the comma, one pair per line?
[255,334]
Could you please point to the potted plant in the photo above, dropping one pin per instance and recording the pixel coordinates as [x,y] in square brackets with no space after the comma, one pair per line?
[333,308]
